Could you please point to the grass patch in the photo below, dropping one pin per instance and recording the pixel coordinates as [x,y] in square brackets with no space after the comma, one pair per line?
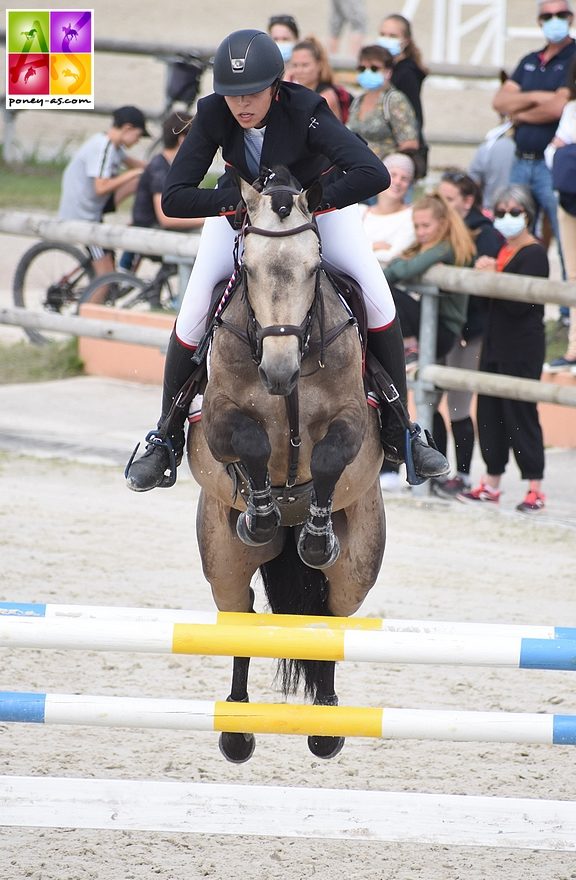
[30,185]
[24,362]
[556,340]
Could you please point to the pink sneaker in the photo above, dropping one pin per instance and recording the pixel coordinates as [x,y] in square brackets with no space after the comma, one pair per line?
[533,501]
[481,493]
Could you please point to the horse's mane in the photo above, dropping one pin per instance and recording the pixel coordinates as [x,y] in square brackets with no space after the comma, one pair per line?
[282,186]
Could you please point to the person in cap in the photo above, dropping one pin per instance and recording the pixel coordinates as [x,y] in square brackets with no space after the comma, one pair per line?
[94,184]
[257,120]
[533,98]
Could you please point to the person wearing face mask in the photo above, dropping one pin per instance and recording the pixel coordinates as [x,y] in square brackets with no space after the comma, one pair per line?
[284,31]
[514,344]
[381,114]
[533,99]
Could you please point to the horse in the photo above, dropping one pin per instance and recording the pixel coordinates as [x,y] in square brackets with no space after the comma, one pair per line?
[287,452]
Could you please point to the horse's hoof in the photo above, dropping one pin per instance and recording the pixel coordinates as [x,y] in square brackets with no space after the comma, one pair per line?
[322,557]
[237,747]
[259,536]
[326,747]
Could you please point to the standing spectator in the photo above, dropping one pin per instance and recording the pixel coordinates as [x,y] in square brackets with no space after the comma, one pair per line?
[514,345]
[309,66]
[492,162]
[441,237]
[351,13]
[533,99]
[381,114]
[566,134]
[93,184]
[284,31]
[408,72]
[461,192]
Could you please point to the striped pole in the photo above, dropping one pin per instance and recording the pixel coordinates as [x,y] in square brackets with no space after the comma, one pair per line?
[282,642]
[177,615]
[173,807]
[284,718]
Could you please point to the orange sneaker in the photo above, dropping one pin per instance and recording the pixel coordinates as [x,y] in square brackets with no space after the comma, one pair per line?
[480,493]
[533,501]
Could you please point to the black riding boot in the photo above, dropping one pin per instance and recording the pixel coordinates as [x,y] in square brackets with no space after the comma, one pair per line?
[387,346]
[164,448]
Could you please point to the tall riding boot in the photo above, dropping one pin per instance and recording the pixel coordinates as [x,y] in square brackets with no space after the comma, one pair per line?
[165,446]
[402,439]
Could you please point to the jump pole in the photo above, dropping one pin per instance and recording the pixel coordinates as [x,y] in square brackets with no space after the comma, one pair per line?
[268,811]
[286,642]
[283,718]
[179,615]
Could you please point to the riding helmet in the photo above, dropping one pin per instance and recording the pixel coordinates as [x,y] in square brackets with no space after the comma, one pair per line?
[246,62]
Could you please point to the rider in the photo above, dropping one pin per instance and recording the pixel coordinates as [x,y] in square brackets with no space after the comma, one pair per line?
[258,120]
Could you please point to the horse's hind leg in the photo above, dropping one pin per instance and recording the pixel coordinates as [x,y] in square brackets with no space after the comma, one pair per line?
[326,746]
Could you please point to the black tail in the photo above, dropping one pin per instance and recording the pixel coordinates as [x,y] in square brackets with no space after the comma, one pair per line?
[294,588]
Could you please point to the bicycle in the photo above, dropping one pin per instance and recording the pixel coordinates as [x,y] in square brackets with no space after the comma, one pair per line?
[125,290]
[53,276]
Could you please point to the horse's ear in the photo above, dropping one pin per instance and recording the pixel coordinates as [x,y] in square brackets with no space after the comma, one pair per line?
[250,195]
[314,196]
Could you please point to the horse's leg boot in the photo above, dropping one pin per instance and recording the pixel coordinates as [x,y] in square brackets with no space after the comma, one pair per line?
[164,449]
[402,440]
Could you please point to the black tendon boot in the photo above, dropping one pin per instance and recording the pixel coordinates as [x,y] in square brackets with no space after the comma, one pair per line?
[165,446]
[402,439]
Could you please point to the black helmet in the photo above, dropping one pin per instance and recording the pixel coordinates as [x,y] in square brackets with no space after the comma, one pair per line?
[246,62]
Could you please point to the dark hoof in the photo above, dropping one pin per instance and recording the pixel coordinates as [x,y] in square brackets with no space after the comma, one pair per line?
[237,747]
[326,746]
[322,556]
[263,533]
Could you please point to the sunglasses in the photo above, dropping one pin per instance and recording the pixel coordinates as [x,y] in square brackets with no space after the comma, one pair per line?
[373,67]
[454,176]
[514,212]
[546,16]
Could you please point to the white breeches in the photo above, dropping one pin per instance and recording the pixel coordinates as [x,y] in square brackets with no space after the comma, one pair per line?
[344,246]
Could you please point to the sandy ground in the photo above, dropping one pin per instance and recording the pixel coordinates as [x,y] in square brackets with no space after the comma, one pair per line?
[70,532]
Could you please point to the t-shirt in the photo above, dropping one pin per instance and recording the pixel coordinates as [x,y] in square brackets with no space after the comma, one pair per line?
[533,75]
[395,229]
[391,122]
[98,157]
[253,140]
[150,184]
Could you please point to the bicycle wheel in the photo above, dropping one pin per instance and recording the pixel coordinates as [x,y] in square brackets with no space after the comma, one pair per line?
[126,291]
[51,276]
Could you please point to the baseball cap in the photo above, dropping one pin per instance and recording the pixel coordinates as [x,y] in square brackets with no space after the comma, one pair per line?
[129,115]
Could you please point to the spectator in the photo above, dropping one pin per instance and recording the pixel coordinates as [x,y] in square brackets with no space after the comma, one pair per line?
[381,114]
[388,223]
[492,162]
[93,185]
[309,66]
[533,99]
[408,73]
[284,31]
[566,134]
[351,13]
[441,237]
[147,208]
[514,345]
[462,193]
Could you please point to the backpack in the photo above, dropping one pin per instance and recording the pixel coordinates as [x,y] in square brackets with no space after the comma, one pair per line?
[344,99]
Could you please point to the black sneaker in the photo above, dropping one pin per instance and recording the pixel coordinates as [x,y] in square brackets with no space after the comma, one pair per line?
[156,467]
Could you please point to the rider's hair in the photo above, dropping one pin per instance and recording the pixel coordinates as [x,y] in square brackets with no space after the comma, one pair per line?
[452,230]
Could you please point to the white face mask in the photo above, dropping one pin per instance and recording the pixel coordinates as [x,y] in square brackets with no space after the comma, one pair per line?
[510,226]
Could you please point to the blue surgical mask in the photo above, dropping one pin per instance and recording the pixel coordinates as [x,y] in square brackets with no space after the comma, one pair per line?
[556,29]
[510,226]
[393,44]
[286,49]
[371,79]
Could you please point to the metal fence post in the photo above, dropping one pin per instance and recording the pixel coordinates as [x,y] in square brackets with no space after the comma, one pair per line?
[425,393]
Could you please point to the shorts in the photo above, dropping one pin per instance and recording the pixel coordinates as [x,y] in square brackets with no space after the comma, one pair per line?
[352,12]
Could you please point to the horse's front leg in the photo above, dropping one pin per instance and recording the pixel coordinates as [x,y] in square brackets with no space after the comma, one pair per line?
[318,546]
[241,437]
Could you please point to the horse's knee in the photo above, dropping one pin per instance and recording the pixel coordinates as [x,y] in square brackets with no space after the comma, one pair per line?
[230,596]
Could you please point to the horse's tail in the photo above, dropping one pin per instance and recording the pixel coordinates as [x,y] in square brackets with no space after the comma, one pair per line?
[294,588]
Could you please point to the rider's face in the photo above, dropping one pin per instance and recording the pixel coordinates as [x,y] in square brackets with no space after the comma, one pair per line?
[249,111]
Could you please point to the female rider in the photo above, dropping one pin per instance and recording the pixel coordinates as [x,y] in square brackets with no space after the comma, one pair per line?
[257,120]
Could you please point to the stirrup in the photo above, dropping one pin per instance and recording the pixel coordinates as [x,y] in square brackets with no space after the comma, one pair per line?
[153,438]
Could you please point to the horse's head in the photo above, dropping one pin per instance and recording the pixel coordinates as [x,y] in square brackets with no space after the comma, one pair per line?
[281,264]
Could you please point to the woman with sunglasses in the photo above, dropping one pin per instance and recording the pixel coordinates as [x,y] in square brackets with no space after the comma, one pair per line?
[381,114]
[514,345]
[258,121]
[463,194]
